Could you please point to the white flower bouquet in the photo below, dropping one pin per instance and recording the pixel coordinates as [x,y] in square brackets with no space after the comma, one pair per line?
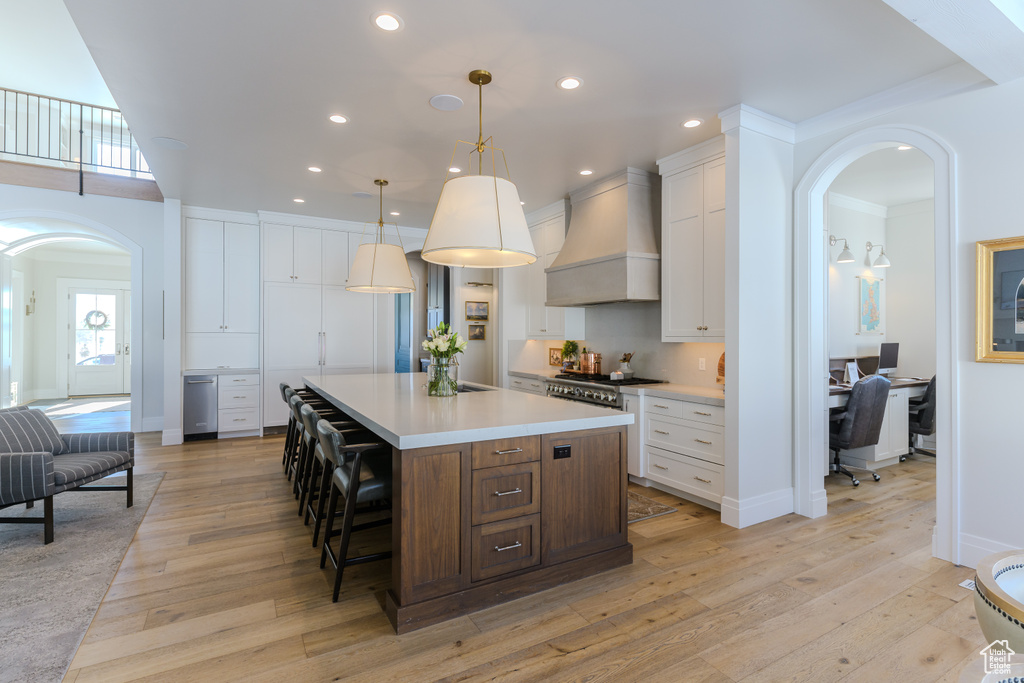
[443,344]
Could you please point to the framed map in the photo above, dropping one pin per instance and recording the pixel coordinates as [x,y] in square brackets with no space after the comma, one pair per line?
[870,308]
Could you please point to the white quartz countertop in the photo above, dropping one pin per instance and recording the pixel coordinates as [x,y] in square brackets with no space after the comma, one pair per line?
[396,407]
[714,396]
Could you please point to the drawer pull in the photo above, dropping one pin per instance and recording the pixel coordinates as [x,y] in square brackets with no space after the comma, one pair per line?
[511,450]
[706,481]
[238,397]
[534,384]
[515,545]
[239,380]
[660,467]
[708,443]
[240,419]
[508,493]
[658,431]
[660,406]
[697,412]
[516,381]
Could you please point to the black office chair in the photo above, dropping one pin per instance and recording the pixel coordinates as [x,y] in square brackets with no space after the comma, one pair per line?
[860,422]
[922,419]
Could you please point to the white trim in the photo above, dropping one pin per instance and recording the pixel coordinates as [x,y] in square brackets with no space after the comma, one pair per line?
[295,220]
[750,511]
[941,83]
[172,437]
[548,212]
[973,549]
[810,313]
[152,424]
[742,116]
[912,208]
[244,217]
[853,204]
[692,156]
[64,284]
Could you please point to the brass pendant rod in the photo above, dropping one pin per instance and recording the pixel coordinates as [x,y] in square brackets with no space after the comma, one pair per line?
[480,139]
[380,221]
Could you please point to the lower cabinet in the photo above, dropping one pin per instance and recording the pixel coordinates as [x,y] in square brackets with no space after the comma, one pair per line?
[684,446]
[238,403]
[530,385]
[507,546]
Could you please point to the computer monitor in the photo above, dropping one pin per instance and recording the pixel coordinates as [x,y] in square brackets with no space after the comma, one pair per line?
[888,357]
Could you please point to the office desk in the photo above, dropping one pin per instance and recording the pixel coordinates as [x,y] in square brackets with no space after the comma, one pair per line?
[894,439]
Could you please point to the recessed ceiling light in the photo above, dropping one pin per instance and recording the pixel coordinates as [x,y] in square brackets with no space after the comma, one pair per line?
[455,169]
[446,102]
[338,118]
[170,143]
[361,195]
[570,82]
[299,201]
[904,148]
[522,203]
[586,171]
[395,213]
[387,21]
[315,169]
[692,123]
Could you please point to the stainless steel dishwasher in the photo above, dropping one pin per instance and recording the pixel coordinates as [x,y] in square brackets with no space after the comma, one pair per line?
[199,407]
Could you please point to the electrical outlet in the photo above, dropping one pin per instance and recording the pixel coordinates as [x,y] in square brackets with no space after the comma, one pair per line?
[701,365]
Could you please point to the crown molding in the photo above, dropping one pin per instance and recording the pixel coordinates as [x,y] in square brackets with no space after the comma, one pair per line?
[692,156]
[843,201]
[548,212]
[912,208]
[332,223]
[219,215]
[742,116]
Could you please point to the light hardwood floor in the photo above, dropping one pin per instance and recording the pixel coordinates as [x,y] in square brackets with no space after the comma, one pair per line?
[221,584]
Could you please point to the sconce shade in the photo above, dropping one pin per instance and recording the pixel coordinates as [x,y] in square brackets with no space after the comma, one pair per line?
[845,256]
[479,223]
[380,268]
[882,261]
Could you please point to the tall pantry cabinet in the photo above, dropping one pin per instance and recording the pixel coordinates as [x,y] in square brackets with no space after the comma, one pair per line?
[311,324]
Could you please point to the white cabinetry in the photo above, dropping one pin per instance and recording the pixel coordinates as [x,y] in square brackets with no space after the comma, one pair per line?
[222,294]
[693,245]
[549,322]
[238,404]
[311,324]
[529,385]
[635,462]
[684,446]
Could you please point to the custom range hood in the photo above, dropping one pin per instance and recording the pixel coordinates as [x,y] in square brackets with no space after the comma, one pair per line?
[611,251]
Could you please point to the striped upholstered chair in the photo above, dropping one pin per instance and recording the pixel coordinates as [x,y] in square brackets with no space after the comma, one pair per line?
[36,461]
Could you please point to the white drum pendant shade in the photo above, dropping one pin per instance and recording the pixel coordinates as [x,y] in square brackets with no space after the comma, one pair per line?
[476,227]
[380,268]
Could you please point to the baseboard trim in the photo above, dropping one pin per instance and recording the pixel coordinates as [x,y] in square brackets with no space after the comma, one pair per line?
[172,437]
[152,424]
[973,549]
[757,509]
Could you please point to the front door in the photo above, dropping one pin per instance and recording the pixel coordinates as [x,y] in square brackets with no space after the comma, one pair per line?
[97,345]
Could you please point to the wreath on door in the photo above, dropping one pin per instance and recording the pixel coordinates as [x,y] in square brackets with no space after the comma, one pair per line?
[96,320]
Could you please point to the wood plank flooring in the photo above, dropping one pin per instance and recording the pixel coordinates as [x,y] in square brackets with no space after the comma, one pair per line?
[221,584]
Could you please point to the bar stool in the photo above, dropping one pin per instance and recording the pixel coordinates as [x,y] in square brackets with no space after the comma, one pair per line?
[291,443]
[304,477]
[320,478]
[304,438]
[362,474]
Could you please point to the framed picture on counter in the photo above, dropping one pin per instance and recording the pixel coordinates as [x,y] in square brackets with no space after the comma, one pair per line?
[555,356]
[477,332]
[1000,301]
[476,310]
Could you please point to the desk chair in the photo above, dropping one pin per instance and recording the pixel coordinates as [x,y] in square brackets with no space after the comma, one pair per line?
[858,423]
[922,418]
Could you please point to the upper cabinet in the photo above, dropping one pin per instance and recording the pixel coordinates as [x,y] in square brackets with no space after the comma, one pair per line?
[307,256]
[693,245]
[547,228]
[222,294]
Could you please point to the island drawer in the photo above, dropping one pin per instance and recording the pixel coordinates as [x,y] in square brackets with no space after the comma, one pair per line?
[506,451]
[503,547]
[506,492]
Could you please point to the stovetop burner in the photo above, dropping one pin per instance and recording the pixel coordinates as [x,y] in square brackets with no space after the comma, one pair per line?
[607,379]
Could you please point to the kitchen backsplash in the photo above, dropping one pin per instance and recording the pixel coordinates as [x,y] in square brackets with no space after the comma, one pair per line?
[614,329]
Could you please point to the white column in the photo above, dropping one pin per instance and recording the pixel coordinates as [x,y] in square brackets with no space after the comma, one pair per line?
[172,322]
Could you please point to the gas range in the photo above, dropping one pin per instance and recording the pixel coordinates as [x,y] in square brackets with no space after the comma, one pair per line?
[597,389]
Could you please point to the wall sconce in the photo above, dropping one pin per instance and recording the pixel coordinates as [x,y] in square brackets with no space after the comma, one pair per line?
[882,261]
[845,256]
[30,307]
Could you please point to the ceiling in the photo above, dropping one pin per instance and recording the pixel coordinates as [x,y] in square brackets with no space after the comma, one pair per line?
[249,86]
[888,177]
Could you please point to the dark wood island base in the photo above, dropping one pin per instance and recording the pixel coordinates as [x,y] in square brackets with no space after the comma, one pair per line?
[479,524]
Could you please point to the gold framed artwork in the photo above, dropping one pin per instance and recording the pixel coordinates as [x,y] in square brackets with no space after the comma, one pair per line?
[1000,301]
[476,310]
[555,356]
[477,333]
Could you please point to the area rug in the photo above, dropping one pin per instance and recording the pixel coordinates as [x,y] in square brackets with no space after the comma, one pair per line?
[641,507]
[50,593]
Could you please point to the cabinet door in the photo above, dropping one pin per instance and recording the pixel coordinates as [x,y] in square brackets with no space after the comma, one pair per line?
[682,241]
[204,275]
[241,278]
[335,257]
[291,326]
[883,449]
[536,312]
[634,453]
[714,249]
[899,428]
[307,264]
[348,330]
[277,253]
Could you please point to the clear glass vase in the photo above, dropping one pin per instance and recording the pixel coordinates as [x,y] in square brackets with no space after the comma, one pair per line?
[442,377]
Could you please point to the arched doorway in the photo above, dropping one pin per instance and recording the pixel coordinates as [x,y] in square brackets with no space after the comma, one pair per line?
[811,312]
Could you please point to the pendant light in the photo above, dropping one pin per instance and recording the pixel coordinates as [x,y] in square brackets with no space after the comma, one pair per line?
[379,267]
[479,220]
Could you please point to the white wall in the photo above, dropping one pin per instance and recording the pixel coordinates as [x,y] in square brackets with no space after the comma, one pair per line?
[859,223]
[987,206]
[910,245]
[136,223]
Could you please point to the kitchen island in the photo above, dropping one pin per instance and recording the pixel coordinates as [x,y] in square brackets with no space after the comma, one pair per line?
[497,494]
